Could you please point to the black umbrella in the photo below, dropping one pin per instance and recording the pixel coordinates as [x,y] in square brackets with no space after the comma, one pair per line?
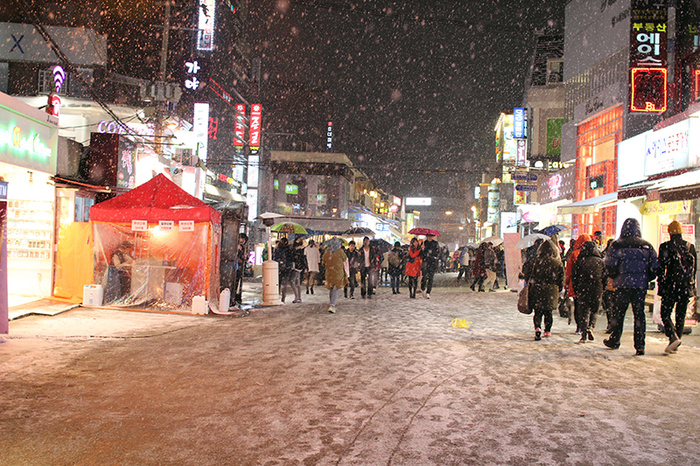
[380,244]
[358,231]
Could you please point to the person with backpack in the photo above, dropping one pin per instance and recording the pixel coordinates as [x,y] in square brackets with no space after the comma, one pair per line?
[632,264]
[395,259]
[677,269]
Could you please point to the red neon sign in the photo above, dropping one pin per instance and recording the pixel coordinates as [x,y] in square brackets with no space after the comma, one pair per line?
[697,84]
[649,86]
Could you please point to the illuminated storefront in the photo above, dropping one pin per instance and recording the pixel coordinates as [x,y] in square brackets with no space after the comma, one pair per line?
[596,173]
[28,151]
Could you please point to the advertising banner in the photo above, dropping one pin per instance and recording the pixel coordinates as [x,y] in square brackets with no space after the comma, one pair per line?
[4,310]
[239,127]
[554,137]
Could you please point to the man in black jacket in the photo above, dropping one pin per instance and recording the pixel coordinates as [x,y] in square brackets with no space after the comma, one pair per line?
[677,269]
[431,262]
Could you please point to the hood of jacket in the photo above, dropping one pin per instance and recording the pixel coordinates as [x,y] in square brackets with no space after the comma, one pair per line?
[547,249]
[588,249]
[581,240]
[631,227]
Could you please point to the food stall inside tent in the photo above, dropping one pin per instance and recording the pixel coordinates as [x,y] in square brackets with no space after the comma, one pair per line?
[173,239]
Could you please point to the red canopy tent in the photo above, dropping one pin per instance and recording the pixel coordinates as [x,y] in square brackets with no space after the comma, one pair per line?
[172,237]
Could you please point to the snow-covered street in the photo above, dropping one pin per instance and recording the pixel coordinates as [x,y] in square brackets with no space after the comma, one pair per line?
[383,381]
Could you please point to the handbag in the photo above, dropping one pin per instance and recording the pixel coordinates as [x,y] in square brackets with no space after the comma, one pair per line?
[523,304]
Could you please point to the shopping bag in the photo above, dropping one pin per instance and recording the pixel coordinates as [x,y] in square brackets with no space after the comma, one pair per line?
[523,304]
[460,323]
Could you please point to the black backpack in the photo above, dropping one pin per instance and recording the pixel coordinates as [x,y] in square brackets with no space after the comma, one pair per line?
[685,263]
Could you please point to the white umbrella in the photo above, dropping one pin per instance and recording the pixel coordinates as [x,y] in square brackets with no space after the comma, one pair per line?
[495,240]
[529,240]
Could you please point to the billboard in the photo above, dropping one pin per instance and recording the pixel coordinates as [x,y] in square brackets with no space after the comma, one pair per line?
[553,148]
[420,201]
[647,56]
[205,32]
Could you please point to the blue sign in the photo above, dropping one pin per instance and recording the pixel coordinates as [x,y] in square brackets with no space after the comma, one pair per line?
[526,187]
[524,176]
[3,189]
[519,123]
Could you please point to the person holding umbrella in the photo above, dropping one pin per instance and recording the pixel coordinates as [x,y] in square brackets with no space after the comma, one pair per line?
[413,266]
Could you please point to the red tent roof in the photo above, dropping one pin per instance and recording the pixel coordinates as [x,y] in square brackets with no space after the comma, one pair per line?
[159,199]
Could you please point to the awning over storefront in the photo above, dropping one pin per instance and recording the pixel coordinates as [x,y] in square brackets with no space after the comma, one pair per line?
[633,190]
[682,187]
[589,206]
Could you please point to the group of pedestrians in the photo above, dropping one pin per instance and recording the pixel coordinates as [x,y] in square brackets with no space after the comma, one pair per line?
[296,263]
[625,270]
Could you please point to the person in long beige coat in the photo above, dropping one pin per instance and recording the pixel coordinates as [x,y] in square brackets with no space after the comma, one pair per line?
[334,260]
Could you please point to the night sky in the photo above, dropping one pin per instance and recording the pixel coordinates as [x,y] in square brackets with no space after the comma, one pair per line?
[409,85]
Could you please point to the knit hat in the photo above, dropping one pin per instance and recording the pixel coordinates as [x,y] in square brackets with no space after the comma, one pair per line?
[674,228]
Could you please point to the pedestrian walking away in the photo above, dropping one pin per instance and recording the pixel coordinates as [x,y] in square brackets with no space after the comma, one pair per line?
[677,269]
[490,266]
[335,263]
[478,269]
[545,280]
[431,262]
[413,266]
[313,257]
[298,268]
[395,259]
[571,261]
[632,263]
[587,279]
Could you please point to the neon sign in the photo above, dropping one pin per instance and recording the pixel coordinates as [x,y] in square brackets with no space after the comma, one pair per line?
[648,90]
[12,138]
[255,123]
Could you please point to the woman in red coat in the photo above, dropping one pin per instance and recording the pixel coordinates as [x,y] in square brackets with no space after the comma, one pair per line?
[413,266]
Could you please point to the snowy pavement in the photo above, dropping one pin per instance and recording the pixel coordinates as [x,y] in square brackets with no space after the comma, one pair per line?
[383,381]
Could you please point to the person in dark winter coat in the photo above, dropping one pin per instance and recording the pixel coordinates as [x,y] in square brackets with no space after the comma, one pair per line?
[479,271]
[545,280]
[431,262]
[395,259]
[354,261]
[569,272]
[632,264]
[677,269]
[283,255]
[370,265]
[299,266]
[587,280]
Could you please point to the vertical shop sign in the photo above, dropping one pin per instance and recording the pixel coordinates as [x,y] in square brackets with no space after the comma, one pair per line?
[494,204]
[519,123]
[329,135]
[648,57]
[239,127]
[521,153]
[201,129]
[255,123]
[553,149]
[205,34]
